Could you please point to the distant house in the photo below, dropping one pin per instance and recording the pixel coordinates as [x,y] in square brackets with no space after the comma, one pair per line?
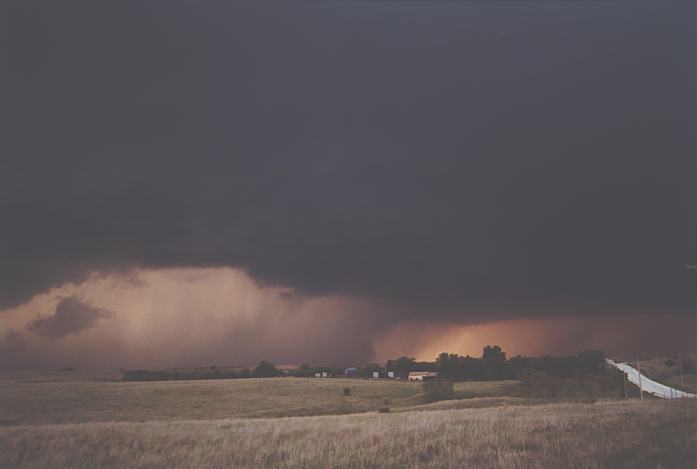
[390,374]
[318,375]
[324,374]
[376,374]
[351,372]
[422,375]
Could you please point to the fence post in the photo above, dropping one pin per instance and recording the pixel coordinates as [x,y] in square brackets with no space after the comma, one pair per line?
[682,380]
[641,389]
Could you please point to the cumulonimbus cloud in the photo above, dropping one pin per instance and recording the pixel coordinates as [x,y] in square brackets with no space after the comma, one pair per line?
[429,160]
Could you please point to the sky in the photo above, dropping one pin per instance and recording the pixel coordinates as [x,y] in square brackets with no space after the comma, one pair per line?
[335,182]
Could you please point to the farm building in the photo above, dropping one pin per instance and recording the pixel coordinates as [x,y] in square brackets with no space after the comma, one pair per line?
[351,372]
[422,375]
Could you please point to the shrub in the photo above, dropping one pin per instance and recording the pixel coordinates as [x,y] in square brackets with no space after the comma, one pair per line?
[438,390]
[266,370]
[384,410]
[347,391]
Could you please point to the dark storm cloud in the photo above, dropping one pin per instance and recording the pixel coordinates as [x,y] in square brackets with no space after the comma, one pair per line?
[489,159]
[72,316]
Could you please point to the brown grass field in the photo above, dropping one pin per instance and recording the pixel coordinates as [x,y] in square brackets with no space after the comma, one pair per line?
[302,423]
[659,371]
[43,401]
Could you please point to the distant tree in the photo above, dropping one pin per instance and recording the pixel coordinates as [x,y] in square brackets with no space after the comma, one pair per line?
[494,364]
[403,365]
[592,362]
[670,363]
[304,367]
[688,366]
[443,361]
[494,353]
[449,365]
[367,370]
[266,370]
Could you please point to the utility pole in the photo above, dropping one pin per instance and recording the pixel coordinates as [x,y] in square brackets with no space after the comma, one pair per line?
[641,389]
[624,378]
[682,380]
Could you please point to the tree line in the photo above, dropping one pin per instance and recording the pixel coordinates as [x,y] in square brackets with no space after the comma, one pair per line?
[492,365]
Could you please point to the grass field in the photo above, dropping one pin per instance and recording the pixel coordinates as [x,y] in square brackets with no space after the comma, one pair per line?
[79,402]
[288,422]
[45,401]
[688,383]
[657,370]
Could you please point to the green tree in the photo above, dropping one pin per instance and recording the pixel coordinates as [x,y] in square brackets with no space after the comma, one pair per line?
[266,370]
[403,365]
[367,370]
[592,362]
[493,353]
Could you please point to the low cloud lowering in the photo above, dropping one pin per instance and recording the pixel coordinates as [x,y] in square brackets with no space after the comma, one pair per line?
[71,316]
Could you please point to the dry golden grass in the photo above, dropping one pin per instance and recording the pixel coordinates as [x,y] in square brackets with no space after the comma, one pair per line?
[659,371]
[690,382]
[63,423]
[609,434]
[486,388]
[82,401]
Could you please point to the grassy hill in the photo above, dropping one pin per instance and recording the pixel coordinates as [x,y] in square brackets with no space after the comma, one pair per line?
[81,401]
[659,370]
[52,399]
[48,401]
[294,422]
[610,434]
